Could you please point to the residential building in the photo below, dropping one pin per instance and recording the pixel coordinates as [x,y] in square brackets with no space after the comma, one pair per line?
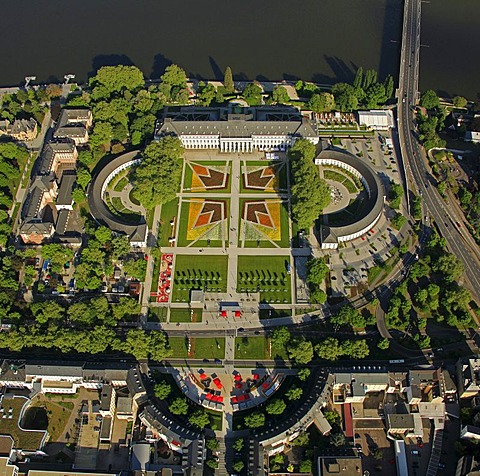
[345,462]
[73,125]
[107,401]
[470,432]
[21,129]
[58,155]
[236,129]
[468,377]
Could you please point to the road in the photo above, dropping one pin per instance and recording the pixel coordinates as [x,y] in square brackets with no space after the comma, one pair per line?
[414,155]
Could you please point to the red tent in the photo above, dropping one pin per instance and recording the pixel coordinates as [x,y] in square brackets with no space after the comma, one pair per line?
[203,376]
[238,385]
[234,399]
[224,313]
[238,314]
[220,399]
[217,382]
[256,376]
[237,377]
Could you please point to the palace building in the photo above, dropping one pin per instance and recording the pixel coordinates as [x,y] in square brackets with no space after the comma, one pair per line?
[236,129]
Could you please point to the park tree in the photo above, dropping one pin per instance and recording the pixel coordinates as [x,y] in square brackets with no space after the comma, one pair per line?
[294,393]
[329,349]
[429,100]
[174,84]
[306,466]
[212,463]
[179,406]
[159,349]
[83,177]
[136,344]
[303,374]
[207,94]
[280,94]
[389,86]
[135,268]
[346,99]
[317,271]
[398,221]
[238,466]
[383,344]
[318,296]
[276,407]
[162,390]
[120,246]
[459,101]
[157,177]
[348,315]
[212,444]
[126,309]
[103,234]
[356,349]
[199,418]
[358,80]
[116,79]
[449,266]
[47,311]
[300,350]
[321,102]
[280,337]
[239,444]
[228,83]
[395,195]
[102,134]
[255,420]
[253,94]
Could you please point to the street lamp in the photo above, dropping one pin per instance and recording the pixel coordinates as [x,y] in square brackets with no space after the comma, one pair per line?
[28,79]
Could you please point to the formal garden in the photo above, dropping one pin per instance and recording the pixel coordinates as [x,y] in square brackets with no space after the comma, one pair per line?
[203,176]
[268,275]
[259,176]
[208,273]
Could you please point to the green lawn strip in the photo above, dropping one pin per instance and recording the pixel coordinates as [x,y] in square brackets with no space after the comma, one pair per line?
[120,185]
[199,272]
[201,347]
[216,419]
[182,225]
[187,177]
[26,440]
[168,212]
[157,314]
[251,348]
[185,315]
[274,313]
[209,347]
[284,223]
[266,273]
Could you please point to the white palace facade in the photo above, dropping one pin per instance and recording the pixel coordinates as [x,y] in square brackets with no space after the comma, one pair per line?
[236,130]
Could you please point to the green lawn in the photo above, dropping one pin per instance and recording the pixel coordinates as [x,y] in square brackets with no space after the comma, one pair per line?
[168,212]
[201,347]
[198,272]
[268,274]
[251,348]
[185,315]
[157,314]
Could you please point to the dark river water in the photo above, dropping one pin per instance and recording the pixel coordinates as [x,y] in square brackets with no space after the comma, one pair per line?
[320,40]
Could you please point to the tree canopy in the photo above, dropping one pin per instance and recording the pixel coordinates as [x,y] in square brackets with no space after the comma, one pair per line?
[157,177]
[310,194]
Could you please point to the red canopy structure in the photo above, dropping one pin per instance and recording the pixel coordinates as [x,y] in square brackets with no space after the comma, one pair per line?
[256,376]
[238,314]
[238,385]
[203,376]
[217,383]
[237,377]
[224,313]
[234,399]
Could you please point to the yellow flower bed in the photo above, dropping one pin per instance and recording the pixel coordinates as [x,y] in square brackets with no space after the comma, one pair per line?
[194,209]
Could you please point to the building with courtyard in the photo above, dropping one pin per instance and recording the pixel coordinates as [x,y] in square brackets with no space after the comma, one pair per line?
[236,129]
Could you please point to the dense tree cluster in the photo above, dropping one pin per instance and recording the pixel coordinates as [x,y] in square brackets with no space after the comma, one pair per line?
[332,349]
[12,159]
[310,194]
[431,290]
[26,104]
[157,177]
[395,195]
[317,272]
[365,92]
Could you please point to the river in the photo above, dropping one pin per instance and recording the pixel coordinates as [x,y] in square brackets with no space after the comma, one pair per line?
[320,40]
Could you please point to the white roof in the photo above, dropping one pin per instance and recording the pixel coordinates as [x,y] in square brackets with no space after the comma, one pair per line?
[377,118]
[472,136]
